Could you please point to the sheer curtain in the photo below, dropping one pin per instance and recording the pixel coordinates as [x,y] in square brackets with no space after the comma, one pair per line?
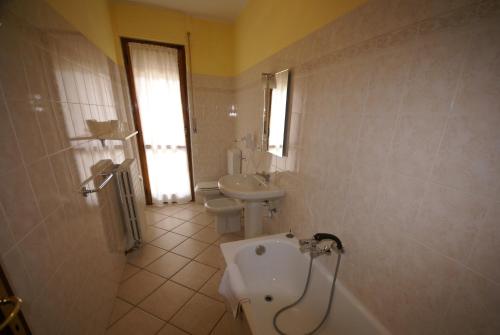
[156,77]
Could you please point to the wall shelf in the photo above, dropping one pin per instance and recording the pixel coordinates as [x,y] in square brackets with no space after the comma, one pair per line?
[123,136]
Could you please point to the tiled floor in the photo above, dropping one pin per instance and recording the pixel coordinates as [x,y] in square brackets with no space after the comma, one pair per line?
[170,286]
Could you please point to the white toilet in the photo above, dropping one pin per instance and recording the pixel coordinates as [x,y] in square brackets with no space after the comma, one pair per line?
[227,210]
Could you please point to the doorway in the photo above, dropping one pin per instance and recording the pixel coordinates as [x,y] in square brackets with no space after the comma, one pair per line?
[156,74]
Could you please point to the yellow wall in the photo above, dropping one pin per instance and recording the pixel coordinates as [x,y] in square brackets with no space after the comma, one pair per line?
[263,28]
[212,42]
[267,26]
[92,18]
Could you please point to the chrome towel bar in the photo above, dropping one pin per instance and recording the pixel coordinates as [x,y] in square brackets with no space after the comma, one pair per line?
[108,176]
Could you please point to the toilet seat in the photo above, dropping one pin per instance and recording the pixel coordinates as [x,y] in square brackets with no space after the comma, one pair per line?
[224,205]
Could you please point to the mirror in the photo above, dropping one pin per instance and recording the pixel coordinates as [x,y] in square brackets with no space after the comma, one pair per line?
[275,116]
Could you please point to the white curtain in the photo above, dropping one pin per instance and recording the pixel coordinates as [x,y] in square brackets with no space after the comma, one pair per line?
[156,77]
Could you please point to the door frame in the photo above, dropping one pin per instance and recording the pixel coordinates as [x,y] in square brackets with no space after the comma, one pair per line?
[181,61]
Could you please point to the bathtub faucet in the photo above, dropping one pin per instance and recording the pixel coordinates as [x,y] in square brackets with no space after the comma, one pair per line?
[325,236]
[321,243]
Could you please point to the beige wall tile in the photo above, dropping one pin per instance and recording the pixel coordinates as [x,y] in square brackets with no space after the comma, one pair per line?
[10,155]
[474,308]
[448,221]
[21,215]
[397,118]
[486,246]
[44,185]
[28,134]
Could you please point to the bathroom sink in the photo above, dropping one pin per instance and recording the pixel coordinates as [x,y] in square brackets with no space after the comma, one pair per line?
[249,187]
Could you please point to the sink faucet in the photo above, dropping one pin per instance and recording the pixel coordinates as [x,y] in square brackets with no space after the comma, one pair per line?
[265,175]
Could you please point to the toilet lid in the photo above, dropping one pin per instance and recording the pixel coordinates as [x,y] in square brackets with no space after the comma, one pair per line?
[208,185]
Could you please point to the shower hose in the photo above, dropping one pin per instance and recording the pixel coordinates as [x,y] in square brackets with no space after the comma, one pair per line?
[327,312]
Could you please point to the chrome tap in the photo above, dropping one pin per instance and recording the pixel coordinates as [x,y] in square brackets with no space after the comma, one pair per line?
[321,244]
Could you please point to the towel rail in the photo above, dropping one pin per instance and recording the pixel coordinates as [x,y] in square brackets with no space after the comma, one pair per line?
[108,176]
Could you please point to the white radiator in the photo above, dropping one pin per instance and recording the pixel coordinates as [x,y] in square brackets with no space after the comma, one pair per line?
[132,202]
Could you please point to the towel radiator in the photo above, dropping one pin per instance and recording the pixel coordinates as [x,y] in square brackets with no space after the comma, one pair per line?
[127,178]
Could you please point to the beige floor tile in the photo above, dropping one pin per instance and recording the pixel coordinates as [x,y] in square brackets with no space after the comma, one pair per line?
[129,271]
[190,248]
[207,235]
[145,255]
[171,330]
[211,287]
[196,207]
[194,275]
[229,326]
[186,214]
[167,265]
[212,256]
[120,308]
[152,233]
[136,322]
[153,217]
[169,223]
[139,286]
[170,210]
[168,241]
[167,300]
[203,218]
[199,315]
[187,229]
[224,327]
[229,238]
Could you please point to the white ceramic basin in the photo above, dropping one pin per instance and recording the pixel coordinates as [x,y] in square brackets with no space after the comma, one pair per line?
[249,187]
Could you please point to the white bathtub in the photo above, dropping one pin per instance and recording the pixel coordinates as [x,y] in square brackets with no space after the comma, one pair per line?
[281,272]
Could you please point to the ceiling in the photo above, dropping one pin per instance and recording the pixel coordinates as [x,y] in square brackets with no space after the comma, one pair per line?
[227,10]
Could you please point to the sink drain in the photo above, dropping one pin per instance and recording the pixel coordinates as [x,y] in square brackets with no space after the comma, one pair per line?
[268,298]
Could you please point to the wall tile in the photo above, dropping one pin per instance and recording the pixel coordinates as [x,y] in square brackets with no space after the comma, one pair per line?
[44,185]
[474,308]
[15,269]
[486,247]
[394,123]
[10,156]
[51,237]
[22,215]
[38,257]
[448,220]
[23,114]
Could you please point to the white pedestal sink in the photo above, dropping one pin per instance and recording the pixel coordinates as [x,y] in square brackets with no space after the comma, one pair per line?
[252,189]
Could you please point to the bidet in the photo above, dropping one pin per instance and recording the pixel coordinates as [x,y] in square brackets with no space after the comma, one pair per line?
[315,247]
